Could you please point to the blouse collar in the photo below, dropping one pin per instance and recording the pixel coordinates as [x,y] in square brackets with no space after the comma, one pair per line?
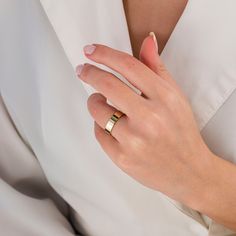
[78,22]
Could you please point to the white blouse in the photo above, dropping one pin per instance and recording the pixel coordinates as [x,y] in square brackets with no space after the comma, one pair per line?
[55,179]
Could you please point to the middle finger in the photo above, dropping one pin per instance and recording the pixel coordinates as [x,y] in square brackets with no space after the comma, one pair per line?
[115,90]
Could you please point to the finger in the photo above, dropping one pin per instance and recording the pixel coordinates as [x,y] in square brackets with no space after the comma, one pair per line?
[138,74]
[149,56]
[108,143]
[102,112]
[115,90]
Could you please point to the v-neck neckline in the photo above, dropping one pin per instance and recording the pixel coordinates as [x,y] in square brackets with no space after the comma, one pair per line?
[72,33]
[170,36]
[106,24]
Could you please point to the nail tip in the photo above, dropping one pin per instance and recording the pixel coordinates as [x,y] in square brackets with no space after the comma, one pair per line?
[79,69]
[89,49]
[154,38]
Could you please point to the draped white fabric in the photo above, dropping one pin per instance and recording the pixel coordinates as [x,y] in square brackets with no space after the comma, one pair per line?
[46,128]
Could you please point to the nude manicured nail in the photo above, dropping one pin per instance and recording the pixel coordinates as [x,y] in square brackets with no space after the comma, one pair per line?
[154,39]
[79,69]
[89,49]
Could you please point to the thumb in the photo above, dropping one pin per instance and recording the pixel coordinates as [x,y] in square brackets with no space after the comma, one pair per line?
[150,57]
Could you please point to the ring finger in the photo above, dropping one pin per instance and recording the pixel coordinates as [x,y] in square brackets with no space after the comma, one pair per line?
[102,112]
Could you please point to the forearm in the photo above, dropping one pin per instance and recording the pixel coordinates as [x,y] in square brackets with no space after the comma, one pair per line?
[218,198]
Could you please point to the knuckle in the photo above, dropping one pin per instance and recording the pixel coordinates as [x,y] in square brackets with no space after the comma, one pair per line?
[136,143]
[151,123]
[161,68]
[129,61]
[92,103]
[123,161]
[151,111]
[170,98]
[107,80]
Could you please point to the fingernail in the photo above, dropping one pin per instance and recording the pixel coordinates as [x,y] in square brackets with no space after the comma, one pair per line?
[89,49]
[154,39]
[79,69]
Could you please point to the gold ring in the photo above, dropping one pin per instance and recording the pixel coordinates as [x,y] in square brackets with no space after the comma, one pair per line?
[111,122]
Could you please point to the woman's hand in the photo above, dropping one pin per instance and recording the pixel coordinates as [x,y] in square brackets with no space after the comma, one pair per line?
[157,142]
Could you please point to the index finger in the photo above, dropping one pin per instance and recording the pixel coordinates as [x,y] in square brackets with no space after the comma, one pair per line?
[137,73]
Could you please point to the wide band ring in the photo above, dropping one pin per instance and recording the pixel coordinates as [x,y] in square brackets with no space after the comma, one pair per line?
[112,121]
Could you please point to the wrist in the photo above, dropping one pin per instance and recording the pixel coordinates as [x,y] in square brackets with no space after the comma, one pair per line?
[205,182]
[209,184]
[217,193]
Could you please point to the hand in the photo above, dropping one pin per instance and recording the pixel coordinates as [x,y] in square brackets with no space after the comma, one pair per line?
[157,142]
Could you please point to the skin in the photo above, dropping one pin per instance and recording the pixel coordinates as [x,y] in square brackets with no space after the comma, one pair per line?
[157,141]
[159,16]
